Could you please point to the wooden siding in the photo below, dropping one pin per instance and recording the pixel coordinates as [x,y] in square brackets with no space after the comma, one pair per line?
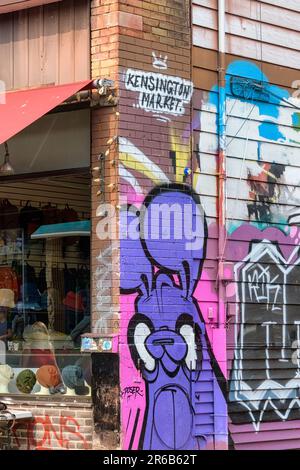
[14,5]
[45,45]
[257,30]
[265,34]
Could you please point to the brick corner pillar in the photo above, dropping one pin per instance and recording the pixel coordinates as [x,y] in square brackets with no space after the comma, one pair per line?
[155,150]
[105,278]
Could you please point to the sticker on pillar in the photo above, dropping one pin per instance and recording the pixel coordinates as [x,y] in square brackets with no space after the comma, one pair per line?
[105,344]
[162,95]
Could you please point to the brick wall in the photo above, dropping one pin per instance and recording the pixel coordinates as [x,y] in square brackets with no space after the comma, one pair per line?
[105,252]
[54,427]
[154,150]
[104,64]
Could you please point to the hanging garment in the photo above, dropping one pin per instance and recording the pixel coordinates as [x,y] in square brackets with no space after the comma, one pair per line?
[9,280]
[50,214]
[9,216]
[30,219]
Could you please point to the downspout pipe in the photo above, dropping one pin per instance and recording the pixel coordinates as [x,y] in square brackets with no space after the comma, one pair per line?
[221,163]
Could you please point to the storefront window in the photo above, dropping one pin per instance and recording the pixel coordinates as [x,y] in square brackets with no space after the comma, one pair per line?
[44,286]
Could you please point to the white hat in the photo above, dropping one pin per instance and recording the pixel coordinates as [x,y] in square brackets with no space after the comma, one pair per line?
[6,372]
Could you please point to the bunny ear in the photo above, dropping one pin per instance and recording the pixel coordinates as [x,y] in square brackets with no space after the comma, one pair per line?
[136,269]
[173,232]
[161,280]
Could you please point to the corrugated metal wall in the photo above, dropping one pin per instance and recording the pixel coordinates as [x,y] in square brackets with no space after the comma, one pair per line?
[263,199]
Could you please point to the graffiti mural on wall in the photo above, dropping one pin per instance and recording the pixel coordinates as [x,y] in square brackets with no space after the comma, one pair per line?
[162,95]
[168,349]
[167,334]
[261,244]
[265,333]
[263,146]
[263,154]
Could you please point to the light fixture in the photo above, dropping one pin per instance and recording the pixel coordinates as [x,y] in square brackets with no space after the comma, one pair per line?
[6,169]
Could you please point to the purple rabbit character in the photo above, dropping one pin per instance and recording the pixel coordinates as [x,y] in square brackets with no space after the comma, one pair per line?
[167,336]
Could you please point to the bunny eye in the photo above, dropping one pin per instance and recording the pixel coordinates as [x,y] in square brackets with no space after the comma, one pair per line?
[184,319]
[188,333]
[141,332]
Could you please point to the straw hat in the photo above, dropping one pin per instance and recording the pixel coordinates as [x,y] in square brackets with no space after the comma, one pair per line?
[7,298]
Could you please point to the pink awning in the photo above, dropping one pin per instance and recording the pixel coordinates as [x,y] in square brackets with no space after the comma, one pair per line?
[19,109]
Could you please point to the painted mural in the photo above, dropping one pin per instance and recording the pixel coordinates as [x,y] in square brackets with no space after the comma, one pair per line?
[172,373]
[166,335]
[262,253]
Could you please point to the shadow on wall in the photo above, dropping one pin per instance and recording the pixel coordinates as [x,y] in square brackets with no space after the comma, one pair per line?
[106,401]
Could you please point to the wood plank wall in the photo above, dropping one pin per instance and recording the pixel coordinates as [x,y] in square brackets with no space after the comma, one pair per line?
[264,30]
[264,33]
[45,45]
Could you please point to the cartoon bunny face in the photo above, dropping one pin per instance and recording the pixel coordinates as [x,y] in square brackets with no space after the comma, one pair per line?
[165,331]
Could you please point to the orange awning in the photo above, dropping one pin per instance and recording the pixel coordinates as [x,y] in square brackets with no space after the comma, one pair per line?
[19,109]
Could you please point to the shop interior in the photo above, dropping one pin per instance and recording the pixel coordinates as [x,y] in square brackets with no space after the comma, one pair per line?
[45,211]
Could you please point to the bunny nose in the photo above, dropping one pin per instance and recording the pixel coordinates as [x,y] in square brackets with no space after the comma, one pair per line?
[167,346]
[163,341]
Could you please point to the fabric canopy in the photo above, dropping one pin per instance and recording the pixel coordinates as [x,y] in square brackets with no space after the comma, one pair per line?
[66,229]
[19,109]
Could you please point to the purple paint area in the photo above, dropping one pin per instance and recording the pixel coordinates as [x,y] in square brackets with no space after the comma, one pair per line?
[166,335]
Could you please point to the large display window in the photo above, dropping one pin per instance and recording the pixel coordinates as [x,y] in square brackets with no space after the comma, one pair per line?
[45,283]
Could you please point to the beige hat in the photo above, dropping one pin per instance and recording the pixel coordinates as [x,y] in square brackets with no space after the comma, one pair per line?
[7,298]
[6,372]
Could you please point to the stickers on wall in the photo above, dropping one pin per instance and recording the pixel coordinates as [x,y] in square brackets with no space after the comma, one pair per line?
[162,95]
[94,344]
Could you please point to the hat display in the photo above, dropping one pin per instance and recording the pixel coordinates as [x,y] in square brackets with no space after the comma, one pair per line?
[26,381]
[7,298]
[73,377]
[6,373]
[48,376]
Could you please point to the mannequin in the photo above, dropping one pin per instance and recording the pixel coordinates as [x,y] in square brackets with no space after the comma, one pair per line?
[89,389]
[6,374]
[43,391]
[70,392]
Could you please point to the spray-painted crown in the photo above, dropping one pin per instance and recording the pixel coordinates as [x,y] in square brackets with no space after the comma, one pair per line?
[159,62]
